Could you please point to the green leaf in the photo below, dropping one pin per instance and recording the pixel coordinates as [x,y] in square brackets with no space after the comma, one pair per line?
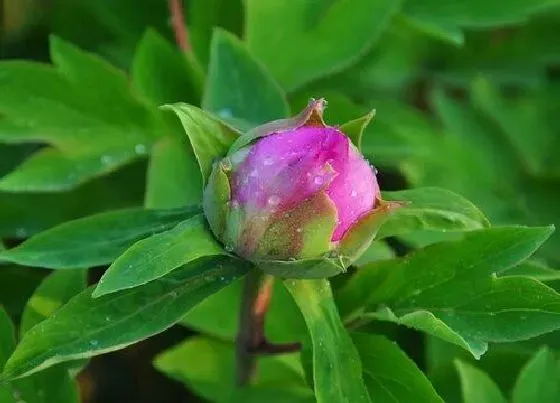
[314,38]
[257,98]
[337,371]
[355,128]
[210,138]
[21,218]
[203,18]
[54,384]
[445,19]
[7,337]
[172,179]
[524,123]
[389,374]
[429,323]
[88,326]
[451,290]
[65,106]
[431,209]
[539,380]
[214,375]
[95,240]
[52,293]
[51,170]
[162,73]
[158,255]
[534,269]
[88,71]
[477,387]
[7,345]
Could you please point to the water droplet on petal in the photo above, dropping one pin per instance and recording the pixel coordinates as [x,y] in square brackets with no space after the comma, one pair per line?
[274,200]
[253,173]
[318,180]
[354,193]
[268,161]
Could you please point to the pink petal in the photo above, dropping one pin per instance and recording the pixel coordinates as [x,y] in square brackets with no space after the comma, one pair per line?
[353,191]
[283,169]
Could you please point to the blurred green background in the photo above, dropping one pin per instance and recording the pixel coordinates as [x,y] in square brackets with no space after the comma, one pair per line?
[467,95]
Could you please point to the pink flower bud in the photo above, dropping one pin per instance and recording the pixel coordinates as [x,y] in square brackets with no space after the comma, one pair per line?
[283,169]
[295,189]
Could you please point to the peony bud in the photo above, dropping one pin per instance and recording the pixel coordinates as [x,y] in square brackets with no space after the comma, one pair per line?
[294,189]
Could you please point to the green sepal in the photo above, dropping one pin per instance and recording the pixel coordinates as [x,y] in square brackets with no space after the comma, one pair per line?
[358,238]
[312,115]
[304,268]
[300,233]
[215,199]
[234,228]
[354,129]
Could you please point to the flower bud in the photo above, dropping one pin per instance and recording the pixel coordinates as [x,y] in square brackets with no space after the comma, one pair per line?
[294,189]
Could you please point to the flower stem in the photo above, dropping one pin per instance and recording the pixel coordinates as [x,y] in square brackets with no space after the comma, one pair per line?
[251,340]
[179,25]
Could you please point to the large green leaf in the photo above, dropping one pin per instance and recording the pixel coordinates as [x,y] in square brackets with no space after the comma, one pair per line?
[54,384]
[315,38]
[21,217]
[7,345]
[431,209]
[524,122]
[65,106]
[389,374]
[114,28]
[210,138]
[88,326]
[7,337]
[446,18]
[213,376]
[162,73]
[477,386]
[238,86]
[95,240]
[156,256]
[203,18]
[52,293]
[536,270]
[539,380]
[451,290]
[337,371]
[51,170]
[173,178]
